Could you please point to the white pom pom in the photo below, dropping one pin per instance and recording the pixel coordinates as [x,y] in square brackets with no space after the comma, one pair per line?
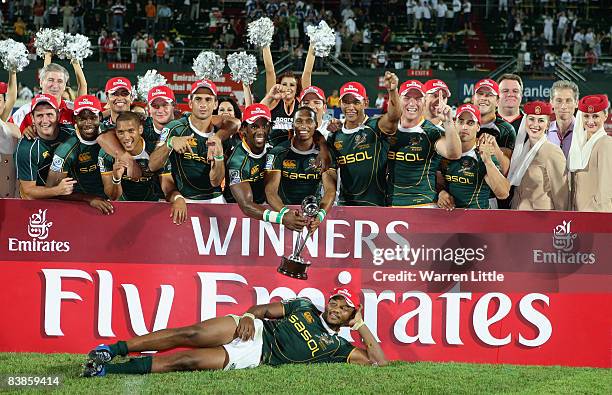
[76,47]
[150,80]
[14,55]
[322,37]
[208,65]
[243,67]
[48,40]
[260,32]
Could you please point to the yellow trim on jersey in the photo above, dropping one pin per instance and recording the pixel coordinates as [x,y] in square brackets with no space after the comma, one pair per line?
[106,172]
[348,358]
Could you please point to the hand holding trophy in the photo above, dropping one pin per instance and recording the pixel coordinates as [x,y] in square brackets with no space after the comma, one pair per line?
[294,266]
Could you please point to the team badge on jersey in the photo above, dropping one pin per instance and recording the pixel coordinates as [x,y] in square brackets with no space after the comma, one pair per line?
[85,157]
[415,140]
[163,136]
[359,138]
[338,144]
[466,165]
[312,164]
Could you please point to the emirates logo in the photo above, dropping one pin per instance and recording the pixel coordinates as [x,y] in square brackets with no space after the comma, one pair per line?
[538,110]
[351,88]
[591,109]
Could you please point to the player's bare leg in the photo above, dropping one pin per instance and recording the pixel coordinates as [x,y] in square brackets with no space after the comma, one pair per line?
[210,333]
[214,358]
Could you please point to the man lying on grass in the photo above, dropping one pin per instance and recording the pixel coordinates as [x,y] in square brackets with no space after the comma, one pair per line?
[291,331]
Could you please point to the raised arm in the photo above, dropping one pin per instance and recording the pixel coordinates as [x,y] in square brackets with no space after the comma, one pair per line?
[269,65]
[48,58]
[308,67]
[388,122]
[11,96]
[248,95]
[80,78]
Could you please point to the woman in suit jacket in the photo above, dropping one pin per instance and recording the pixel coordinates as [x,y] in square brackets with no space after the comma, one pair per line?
[538,167]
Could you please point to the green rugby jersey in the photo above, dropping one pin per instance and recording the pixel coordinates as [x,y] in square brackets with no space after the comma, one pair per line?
[33,158]
[300,176]
[147,187]
[79,158]
[191,171]
[412,164]
[504,133]
[302,336]
[465,178]
[107,124]
[361,157]
[245,166]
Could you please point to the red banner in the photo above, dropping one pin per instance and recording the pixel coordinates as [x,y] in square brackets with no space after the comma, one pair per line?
[469,285]
[121,66]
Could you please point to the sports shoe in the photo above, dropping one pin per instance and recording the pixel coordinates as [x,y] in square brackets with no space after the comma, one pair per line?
[93,369]
[101,354]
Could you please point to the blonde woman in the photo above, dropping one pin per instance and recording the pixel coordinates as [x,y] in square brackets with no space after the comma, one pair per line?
[538,167]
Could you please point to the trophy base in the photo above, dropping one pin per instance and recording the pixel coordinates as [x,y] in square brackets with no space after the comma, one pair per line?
[293,268]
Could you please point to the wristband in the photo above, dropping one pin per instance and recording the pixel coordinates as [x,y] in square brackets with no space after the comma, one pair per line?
[219,158]
[321,214]
[358,325]
[115,181]
[178,197]
[169,142]
[272,216]
[251,316]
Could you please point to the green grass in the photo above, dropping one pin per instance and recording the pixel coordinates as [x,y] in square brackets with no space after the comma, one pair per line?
[399,377]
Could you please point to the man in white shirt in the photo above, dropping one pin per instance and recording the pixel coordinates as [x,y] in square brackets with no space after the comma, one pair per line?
[415,56]
[579,43]
[410,9]
[561,29]
[440,17]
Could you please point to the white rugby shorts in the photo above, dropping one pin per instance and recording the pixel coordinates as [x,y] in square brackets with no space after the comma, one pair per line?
[245,354]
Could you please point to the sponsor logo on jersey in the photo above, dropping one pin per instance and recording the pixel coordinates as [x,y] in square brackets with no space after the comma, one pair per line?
[45,154]
[308,317]
[338,145]
[254,170]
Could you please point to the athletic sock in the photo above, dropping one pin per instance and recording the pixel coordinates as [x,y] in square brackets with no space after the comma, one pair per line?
[119,348]
[133,366]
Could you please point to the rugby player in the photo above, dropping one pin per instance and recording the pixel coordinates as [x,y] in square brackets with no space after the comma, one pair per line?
[291,331]
[538,167]
[282,94]
[590,157]
[77,157]
[314,97]
[360,147]
[161,103]
[471,178]
[510,97]
[246,168]
[486,97]
[193,147]
[436,94]
[151,186]
[564,97]
[417,149]
[292,173]
[33,157]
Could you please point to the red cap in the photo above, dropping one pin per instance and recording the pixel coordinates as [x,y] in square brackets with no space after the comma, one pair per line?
[255,111]
[204,84]
[432,86]
[87,102]
[3,87]
[538,108]
[44,98]
[160,92]
[351,297]
[114,84]
[471,109]
[411,84]
[593,103]
[489,84]
[355,89]
[313,89]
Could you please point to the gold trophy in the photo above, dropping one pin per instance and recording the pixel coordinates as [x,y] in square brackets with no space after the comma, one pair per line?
[295,266]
